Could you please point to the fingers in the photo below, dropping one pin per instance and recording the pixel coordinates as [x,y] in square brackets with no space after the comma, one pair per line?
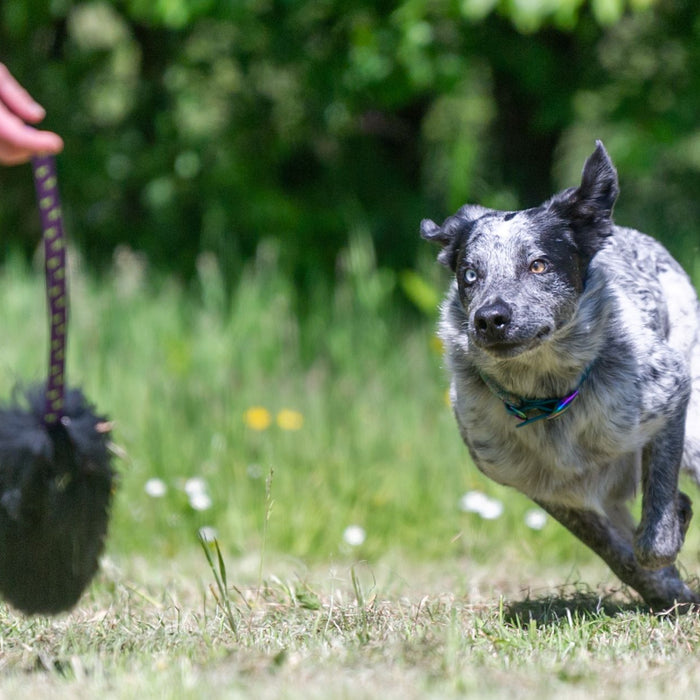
[13,156]
[18,99]
[18,141]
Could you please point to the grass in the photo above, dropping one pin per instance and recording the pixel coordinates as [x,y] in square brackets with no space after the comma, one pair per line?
[349,632]
[272,428]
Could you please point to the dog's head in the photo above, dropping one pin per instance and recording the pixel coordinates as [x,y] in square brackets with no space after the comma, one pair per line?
[520,274]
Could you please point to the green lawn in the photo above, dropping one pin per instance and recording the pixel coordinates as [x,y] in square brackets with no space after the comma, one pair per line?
[313,440]
[389,630]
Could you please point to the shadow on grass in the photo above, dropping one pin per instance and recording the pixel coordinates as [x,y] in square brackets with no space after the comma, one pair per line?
[571,604]
[578,601]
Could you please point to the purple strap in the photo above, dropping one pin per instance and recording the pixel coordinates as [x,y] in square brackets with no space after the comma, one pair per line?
[56,290]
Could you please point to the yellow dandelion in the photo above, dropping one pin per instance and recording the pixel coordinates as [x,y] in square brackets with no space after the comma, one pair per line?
[287,419]
[257,418]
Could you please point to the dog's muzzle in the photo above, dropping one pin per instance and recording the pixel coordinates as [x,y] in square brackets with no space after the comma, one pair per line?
[493,328]
[492,321]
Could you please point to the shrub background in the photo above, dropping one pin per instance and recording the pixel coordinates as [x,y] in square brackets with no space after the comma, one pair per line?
[210,125]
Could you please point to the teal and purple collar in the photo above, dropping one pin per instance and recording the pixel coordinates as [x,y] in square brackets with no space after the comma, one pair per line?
[531,410]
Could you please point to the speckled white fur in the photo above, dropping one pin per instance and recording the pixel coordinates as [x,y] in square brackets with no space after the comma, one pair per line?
[589,457]
[600,301]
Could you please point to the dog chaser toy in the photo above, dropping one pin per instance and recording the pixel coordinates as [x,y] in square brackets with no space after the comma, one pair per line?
[56,478]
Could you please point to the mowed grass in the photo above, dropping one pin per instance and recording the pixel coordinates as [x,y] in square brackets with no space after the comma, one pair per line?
[364,632]
[277,423]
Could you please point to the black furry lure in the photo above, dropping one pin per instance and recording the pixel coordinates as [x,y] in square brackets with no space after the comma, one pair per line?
[56,478]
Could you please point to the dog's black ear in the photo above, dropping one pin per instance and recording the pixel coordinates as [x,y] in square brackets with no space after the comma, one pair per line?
[452,232]
[599,187]
[588,207]
[445,236]
[432,232]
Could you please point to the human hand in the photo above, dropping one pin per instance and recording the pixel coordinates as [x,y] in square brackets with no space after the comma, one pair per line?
[19,141]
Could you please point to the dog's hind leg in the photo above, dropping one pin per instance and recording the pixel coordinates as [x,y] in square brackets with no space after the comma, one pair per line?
[660,588]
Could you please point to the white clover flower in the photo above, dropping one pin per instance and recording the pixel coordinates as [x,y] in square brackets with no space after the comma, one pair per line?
[155,488]
[472,501]
[208,533]
[197,493]
[354,535]
[195,485]
[480,503]
[535,518]
[200,501]
[492,510]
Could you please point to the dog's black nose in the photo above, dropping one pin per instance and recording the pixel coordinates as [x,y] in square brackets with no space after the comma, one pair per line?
[491,320]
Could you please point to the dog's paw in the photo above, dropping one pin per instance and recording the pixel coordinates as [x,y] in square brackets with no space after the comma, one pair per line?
[664,589]
[658,544]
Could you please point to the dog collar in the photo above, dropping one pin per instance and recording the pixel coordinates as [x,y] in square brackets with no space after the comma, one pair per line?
[531,410]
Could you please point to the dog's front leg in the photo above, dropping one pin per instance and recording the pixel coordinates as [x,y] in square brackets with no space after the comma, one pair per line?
[660,588]
[666,512]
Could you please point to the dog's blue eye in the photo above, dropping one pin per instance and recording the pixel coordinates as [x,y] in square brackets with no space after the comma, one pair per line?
[470,275]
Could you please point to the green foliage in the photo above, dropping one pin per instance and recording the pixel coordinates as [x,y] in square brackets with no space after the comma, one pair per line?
[207,125]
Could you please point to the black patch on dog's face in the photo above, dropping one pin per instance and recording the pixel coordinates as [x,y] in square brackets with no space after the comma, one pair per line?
[520,274]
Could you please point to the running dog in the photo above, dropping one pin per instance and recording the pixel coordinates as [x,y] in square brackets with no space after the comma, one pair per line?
[573,346]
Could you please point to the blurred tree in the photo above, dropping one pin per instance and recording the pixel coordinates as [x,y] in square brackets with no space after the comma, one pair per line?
[210,125]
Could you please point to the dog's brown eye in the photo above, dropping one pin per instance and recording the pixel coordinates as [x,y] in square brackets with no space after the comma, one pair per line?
[538,267]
